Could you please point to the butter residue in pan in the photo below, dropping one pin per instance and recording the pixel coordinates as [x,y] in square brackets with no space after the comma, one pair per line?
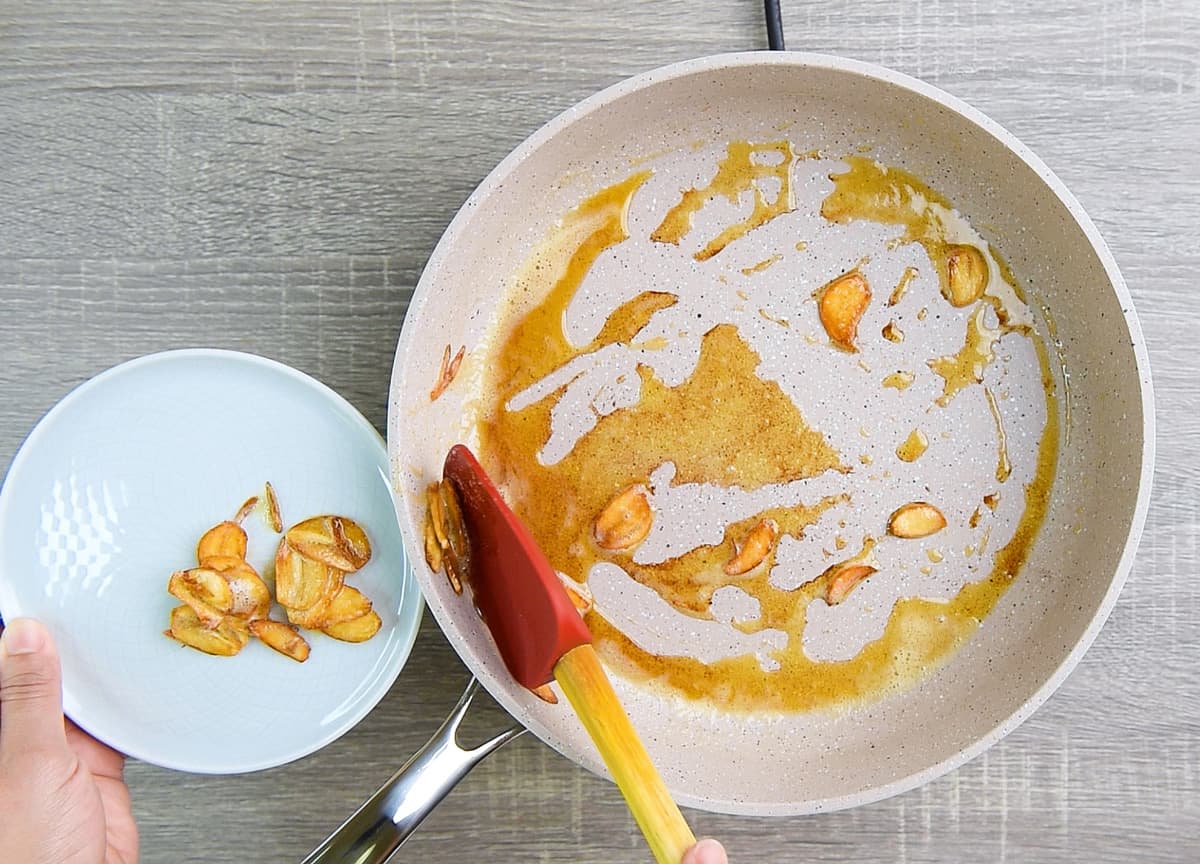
[646,346]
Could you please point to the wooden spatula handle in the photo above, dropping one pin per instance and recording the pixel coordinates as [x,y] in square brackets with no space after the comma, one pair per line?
[586,685]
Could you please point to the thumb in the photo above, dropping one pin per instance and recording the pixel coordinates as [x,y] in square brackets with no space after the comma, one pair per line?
[31,716]
[707,851]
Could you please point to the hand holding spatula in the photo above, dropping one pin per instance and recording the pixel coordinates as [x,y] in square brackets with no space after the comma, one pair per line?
[541,637]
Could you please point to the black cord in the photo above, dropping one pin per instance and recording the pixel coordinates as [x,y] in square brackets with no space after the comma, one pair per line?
[774,25]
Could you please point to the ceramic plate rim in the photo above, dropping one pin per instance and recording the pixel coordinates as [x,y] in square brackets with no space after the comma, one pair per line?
[409,613]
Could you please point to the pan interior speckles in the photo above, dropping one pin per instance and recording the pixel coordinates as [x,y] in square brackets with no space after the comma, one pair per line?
[712,372]
[782,365]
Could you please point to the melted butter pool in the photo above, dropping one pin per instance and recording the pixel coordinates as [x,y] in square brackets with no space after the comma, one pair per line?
[703,376]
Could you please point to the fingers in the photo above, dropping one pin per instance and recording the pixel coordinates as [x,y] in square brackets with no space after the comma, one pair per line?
[101,760]
[30,690]
[707,851]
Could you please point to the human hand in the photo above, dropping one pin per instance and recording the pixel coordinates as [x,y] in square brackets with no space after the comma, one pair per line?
[707,851]
[63,798]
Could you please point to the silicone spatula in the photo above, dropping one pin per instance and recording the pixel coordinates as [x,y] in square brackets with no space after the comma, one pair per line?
[541,637]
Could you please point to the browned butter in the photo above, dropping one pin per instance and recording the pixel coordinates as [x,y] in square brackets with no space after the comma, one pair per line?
[726,426]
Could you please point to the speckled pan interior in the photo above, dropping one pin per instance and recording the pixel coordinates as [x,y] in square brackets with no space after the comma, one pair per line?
[803,763]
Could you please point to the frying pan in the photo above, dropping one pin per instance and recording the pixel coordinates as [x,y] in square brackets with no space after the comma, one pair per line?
[675,123]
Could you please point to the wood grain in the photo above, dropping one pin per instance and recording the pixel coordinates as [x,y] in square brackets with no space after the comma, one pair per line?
[272,176]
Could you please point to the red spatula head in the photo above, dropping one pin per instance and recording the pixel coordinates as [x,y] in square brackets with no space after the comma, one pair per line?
[528,612]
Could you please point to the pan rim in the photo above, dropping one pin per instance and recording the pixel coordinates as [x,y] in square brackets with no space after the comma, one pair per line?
[883,75]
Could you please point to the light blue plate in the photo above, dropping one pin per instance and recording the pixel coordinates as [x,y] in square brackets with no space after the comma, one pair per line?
[109,495]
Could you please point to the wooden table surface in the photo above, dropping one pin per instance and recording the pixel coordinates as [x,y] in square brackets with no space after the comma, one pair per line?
[271,177]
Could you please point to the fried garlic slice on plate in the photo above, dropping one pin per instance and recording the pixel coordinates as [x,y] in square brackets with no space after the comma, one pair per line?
[227,638]
[273,517]
[251,596]
[346,605]
[316,616]
[281,637]
[356,630]
[227,539]
[333,540]
[205,592]
[302,582]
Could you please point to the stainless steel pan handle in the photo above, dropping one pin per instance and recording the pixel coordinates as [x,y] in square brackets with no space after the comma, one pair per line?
[381,824]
